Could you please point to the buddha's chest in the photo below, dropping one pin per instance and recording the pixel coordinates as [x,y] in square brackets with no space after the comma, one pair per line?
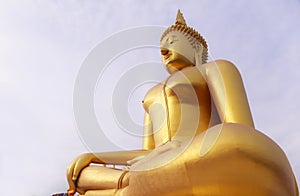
[175,105]
[179,88]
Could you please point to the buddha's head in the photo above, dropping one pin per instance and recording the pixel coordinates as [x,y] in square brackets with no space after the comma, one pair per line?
[180,45]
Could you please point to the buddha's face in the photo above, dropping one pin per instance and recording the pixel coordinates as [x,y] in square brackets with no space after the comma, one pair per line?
[177,52]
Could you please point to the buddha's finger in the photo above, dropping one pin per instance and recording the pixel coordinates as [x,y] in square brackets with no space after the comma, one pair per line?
[76,171]
[79,165]
[70,170]
[71,192]
[134,160]
[72,186]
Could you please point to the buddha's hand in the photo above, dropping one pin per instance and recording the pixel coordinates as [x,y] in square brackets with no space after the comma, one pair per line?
[75,168]
[168,146]
[136,159]
[131,162]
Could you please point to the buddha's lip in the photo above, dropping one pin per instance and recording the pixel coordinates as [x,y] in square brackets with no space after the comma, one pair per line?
[167,63]
[167,56]
[168,60]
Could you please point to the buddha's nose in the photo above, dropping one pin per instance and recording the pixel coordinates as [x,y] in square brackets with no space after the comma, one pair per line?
[164,51]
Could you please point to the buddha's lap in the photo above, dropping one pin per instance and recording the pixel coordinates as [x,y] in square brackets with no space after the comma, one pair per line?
[215,162]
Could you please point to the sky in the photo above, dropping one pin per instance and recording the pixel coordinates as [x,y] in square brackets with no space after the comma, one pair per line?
[43,45]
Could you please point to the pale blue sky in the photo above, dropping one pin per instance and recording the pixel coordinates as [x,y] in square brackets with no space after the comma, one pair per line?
[43,44]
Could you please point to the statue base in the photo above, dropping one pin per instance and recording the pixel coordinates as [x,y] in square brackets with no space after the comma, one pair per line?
[60,194]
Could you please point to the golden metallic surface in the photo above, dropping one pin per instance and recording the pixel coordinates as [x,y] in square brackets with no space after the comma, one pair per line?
[180,26]
[199,137]
[242,161]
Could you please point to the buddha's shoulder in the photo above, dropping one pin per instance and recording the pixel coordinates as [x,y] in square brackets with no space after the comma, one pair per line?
[218,65]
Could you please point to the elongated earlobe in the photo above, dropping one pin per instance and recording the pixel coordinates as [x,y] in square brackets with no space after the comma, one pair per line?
[198,54]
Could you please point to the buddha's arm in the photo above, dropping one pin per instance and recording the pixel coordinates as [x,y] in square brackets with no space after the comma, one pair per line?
[84,160]
[228,93]
[148,140]
[118,158]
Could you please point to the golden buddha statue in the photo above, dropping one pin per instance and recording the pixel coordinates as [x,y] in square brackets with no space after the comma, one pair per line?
[199,136]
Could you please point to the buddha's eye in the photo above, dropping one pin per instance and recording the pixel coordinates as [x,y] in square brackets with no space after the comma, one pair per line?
[172,39]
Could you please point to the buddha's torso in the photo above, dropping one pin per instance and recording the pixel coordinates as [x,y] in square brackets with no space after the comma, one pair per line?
[180,107]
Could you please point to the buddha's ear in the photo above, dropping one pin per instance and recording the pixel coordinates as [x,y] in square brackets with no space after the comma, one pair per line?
[198,54]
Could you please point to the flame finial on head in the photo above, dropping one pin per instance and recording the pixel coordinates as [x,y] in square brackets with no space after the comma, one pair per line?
[179,19]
